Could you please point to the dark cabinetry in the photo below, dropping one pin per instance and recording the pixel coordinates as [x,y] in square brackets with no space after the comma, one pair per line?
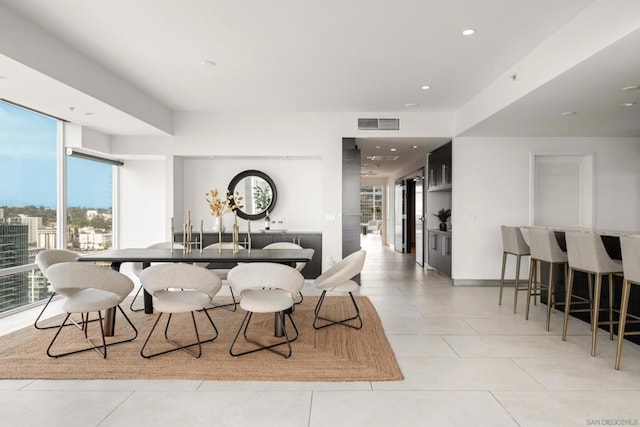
[440,169]
[440,251]
[260,240]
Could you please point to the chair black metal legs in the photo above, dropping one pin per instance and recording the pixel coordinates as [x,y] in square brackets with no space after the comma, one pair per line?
[134,300]
[177,346]
[233,304]
[72,322]
[85,327]
[330,322]
[245,325]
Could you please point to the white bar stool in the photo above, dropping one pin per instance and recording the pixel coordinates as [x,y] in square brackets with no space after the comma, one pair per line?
[587,254]
[512,243]
[631,265]
[544,248]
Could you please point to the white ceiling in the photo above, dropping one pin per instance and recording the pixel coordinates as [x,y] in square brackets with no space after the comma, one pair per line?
[325,56]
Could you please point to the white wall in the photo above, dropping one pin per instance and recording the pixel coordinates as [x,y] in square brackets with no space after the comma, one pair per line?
[298,183]
[142,203]
[491,187]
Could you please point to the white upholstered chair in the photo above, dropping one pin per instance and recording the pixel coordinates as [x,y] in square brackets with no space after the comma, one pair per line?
[180,288]
[513,243]
[222,272]
[138,266]
[299,265]
[89,288]
[544,248]
[44,260]
[338,279]
[266,287]
[587,254]
[631,265]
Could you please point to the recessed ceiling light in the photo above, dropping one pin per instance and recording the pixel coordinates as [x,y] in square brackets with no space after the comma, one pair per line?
[425,87]
[393,149]
[628,88]
[468,32]
[628,104]
[415,146]
[208,63]
[378,146]
[411,105]
[568,113]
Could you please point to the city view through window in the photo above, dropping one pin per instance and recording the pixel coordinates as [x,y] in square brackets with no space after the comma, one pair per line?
[29,151]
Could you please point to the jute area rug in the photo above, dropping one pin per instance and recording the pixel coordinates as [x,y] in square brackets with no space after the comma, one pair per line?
[335,353]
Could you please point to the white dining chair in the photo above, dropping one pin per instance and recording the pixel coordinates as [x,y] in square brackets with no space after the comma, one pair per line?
[138,266]
[44,260]
[89,288]
[180,288]
[222,274]
[299,265]
[338,278]
[265,287]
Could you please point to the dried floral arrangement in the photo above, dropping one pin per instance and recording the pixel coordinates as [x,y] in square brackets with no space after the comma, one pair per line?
[219,206]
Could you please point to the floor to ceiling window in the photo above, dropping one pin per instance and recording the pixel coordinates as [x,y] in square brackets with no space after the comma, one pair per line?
[28,194]
[30,148]
[89,205]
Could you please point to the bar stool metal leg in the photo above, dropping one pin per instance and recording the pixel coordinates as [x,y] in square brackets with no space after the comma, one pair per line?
[611,306]
[533,278]
[517,285]
[504,265]
[626,289]
[549,295]
[595,311]
[567,304]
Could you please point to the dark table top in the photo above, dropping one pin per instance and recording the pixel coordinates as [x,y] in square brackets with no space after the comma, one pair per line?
[207,255]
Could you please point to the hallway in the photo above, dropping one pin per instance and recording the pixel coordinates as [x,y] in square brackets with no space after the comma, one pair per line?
[466,362]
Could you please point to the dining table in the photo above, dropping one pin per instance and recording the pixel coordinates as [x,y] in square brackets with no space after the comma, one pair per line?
[212,256]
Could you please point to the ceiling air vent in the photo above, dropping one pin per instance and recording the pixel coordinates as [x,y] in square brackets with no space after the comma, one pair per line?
[389,124]
[368,124]
[379,124]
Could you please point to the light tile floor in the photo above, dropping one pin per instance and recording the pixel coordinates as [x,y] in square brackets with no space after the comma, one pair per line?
[466,361]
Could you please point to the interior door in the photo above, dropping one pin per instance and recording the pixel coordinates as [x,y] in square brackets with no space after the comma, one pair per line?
[419,216]
[399,217]
[562,190]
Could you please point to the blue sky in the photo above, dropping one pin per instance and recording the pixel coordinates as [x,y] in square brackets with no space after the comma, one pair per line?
[28,165]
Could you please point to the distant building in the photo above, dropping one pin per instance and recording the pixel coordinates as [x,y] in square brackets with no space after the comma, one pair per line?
[14,252]
[91,239]
[91,213]
[35,224]
[47,238]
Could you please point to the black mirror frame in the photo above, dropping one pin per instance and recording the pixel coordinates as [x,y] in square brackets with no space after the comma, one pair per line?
[274,193]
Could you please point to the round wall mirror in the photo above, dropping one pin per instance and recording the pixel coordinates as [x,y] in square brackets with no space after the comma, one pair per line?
[258,193]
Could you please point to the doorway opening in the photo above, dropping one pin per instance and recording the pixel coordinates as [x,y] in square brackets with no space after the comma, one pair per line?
[371,210]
